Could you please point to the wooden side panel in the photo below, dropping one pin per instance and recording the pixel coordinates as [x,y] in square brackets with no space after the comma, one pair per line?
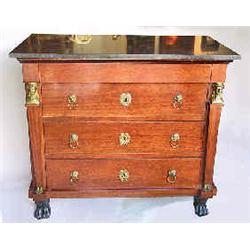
[101,139]
[125,72]
[149,101]
[104,174]
[37,143]
[209,189]
[36,131]
[214,120]
[218,73]
[30,72]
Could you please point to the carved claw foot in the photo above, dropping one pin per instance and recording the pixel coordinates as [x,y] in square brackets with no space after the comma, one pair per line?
[43,210]
[200,206]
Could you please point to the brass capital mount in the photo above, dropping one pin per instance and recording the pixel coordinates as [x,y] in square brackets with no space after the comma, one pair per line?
[217,93]
[207,187]
[32,95]
[39,190]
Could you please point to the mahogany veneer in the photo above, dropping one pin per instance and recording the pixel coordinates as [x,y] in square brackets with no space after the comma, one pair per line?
[142,174]
[135,117]
[101,139]
[149,101]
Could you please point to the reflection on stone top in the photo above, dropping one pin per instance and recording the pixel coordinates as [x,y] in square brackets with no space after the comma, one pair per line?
[122,47]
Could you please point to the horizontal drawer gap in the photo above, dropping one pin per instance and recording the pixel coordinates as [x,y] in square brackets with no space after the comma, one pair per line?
[128,158]
[135,156]
[115,82]
[89,189]
[105,120]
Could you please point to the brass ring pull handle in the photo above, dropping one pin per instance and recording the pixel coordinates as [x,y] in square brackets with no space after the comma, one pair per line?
[174,140]
[123,175]
[81,39]
[177,101]
[74,176]
[72,101]
[73,140]
[125,99]
[124,139]
[115,37]
[171,176]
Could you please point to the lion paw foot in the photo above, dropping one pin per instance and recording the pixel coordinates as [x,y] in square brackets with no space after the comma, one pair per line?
[43,210]
[200,206]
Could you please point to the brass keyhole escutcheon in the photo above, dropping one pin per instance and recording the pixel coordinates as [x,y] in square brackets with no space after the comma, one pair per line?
[124,139]
[72,101]
[174,140]
[73,140]
[125,99]
[123,175]
[74,176]
[178,101]
[171,176]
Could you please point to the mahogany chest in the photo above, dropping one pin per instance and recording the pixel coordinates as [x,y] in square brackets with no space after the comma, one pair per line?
[122,116]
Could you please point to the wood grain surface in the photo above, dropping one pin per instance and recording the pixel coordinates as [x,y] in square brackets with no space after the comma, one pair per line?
[101,139]
[104,174]
[124,72]
[95,193]
[149,101]
[37,144]
[99,118]
[30,72]
[214,121]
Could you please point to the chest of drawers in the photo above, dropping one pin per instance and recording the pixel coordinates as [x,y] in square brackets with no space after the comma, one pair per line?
[122,116]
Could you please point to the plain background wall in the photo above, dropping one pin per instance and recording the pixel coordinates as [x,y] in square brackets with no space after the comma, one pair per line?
[232,168]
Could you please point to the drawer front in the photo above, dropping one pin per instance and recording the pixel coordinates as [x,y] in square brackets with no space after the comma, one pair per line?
[131,101]
[113,139]
[124,72]
[123,174]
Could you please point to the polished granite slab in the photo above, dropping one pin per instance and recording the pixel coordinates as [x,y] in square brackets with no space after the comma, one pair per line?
[122,47]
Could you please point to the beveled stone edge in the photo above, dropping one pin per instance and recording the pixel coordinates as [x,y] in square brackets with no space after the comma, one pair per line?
[97,57]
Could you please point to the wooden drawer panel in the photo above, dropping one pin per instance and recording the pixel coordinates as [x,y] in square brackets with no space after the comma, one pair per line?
[124,72]
[148,101]
[104,174]
[102,139]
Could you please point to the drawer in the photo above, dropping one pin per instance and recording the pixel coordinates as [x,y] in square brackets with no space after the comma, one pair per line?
[126,72]
[112,139]
[130,101]
[123,174]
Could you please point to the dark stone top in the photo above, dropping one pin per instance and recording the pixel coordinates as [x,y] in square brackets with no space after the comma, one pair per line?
[121,47]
